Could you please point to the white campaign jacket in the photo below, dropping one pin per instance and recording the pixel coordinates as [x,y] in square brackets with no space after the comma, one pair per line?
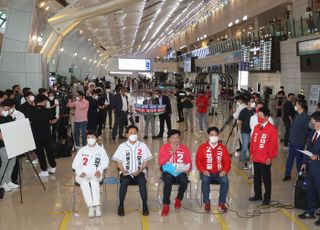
[132,156]
[88,160]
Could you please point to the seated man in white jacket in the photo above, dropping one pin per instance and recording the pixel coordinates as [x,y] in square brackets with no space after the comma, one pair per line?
[89,164]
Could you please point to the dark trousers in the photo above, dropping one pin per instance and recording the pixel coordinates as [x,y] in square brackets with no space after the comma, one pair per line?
[101,118]
[42,147]
[109,114]
[169,180]
[294,153]
[93,122]
[54,133]
[125,181]
[119,123]
[180,111]
[262,171]
[313,186]
[15,172]
[164,118]
[287,126]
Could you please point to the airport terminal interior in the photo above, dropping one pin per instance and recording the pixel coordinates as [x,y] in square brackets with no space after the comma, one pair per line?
[187,108]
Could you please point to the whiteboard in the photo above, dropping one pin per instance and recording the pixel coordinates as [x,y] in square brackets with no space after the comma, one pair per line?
[17,137]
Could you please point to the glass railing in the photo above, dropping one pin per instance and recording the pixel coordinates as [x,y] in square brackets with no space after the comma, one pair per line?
[283,29]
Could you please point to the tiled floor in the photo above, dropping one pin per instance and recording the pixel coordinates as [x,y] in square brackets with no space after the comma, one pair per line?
[52,209]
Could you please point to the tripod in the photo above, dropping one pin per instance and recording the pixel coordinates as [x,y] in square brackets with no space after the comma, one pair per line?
[233,126]
[19,173]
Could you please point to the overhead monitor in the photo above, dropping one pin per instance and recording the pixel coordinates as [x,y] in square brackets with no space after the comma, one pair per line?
[308,47]
[143,65]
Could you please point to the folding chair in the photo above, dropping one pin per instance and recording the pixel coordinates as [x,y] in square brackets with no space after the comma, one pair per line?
[176,184]
[200,200]
[77,185]
[130,184]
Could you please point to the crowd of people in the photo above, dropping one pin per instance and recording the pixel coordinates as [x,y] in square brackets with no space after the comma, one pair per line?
[91,107]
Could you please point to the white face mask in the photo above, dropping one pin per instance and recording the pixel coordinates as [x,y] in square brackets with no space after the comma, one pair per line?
[78,98]
[96,97]
[253,105]
[133,137]
[148,98]
[5,113]
[31,98]
[188,93]
[91,141]
[214,139]
[51,98]
[108,90]
[11,111]
[238,103]
[295,108]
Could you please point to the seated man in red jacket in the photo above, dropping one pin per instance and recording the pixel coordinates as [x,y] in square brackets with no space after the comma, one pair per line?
[263,149]
[214,163]
[173,156]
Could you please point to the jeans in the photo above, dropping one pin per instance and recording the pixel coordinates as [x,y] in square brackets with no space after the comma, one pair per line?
[149,119]
[80,126]
[188,117]
[245,137]
[294,154]
[205,186]
[125,181]
[203,120]
[169,180]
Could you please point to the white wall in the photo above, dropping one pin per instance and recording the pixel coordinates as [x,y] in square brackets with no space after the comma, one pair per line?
[291,76]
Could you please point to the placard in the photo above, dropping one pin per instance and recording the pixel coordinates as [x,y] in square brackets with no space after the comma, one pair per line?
[313,98]
[17,137]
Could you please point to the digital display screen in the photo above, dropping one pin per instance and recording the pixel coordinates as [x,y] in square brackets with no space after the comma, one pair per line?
[135,64]
[258,54]
[309,47]
[187,65]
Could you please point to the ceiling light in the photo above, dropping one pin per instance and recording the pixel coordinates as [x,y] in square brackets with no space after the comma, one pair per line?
[75,54]
[205,36]
[230,24]
[81,31]
[61,49]
[89,39]
[245,18]
[42,4]
[237,21]
[90,60]
[47,8]
[84,58]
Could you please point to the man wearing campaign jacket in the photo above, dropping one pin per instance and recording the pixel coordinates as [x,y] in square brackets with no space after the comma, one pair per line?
[214,164]
[263,149]
[132,157]
[312,166]
[172,154]
[89,164]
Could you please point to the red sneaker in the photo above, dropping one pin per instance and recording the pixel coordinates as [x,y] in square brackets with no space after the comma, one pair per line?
[177,204]
[222,208]
[165,210]
[207,207]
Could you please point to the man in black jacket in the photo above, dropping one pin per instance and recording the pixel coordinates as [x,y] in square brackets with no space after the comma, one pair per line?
[288,116]
[121,106]
[166,116]
[108,104]
[41,119]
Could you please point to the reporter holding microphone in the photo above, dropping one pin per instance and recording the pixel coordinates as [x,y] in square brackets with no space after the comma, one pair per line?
[89,164]
[171,155]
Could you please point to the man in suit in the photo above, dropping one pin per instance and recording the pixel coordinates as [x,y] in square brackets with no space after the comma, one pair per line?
[166,116]
[312,166]
[121,106]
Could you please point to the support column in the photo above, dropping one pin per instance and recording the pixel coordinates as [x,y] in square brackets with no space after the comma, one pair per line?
[17,66]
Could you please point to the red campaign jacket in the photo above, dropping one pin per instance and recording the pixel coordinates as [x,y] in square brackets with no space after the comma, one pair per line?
[202,103]
[182,155]
[213,160]
[264,143]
